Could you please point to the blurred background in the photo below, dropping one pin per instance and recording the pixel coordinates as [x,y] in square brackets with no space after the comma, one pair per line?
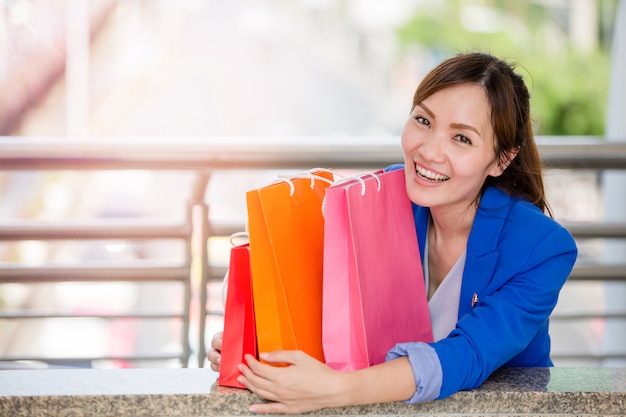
[268,67]
[138,70]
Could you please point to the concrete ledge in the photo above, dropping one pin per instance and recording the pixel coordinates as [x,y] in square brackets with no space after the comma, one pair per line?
[193,392]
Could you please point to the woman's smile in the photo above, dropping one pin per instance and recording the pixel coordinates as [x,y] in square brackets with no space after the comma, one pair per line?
[428,175]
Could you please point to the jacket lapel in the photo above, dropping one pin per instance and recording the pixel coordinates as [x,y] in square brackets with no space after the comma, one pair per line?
[482,254]
[482,248]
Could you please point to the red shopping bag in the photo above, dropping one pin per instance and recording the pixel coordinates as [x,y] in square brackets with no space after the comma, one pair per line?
[286,229]
[239,337]
[373,287]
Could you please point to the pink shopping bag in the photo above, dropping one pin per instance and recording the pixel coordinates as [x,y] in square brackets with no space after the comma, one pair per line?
[373,284]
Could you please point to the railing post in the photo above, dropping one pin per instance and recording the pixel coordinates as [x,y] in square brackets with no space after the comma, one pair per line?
[201,236]
[189,258]
[615,185]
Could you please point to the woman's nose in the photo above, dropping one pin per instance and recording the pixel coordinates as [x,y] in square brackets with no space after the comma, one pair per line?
[432,148]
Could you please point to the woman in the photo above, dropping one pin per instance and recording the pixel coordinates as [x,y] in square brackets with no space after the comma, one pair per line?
[494,262]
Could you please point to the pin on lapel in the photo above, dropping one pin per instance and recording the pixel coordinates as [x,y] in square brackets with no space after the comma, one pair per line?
[474,299]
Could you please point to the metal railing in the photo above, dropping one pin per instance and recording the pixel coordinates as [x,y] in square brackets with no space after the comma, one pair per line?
[201,156]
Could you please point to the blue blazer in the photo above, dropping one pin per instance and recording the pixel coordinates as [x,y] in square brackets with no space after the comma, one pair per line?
[517,261]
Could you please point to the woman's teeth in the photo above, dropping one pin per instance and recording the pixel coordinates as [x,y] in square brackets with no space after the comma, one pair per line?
[428,175]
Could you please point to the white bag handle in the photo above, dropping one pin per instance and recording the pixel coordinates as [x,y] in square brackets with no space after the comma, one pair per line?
[359,178]
[306,174]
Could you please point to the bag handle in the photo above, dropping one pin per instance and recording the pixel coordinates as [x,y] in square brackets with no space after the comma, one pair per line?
[359,178]
[239,235]
[309,174]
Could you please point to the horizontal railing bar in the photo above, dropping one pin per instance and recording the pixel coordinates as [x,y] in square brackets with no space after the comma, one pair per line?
[216,273]
[101,229]
[579,273]
[580,230]
[99,273]
[26,315]
[587,316]
[597,230]
[52,360]
[598,273]
[223,228]
[105,229]
[147,357]
[581,153]
[127,229]
[200,153]
[225,153]
[589,356]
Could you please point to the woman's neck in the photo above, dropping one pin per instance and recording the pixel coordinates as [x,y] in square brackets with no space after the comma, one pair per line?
[451,224]
[448,233]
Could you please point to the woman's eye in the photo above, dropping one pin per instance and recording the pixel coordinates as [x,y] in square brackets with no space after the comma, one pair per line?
[463,139]
[422,120]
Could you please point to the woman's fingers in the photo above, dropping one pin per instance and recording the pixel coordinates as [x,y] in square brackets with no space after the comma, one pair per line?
[214,358]
[257,378]
[284,357]
[270,408]
[300,382]
[216,341]
[214,354]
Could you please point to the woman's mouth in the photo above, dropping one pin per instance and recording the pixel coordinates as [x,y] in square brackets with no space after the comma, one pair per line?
[430,176]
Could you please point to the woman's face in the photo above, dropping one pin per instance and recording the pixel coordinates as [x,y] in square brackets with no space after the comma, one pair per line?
[448,145]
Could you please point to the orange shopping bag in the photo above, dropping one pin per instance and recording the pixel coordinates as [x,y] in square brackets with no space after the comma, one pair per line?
[286,228]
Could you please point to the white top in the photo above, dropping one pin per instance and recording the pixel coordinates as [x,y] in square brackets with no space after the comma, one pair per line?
[444,304]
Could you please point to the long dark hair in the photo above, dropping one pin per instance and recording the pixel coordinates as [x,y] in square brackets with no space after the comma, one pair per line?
[510,117]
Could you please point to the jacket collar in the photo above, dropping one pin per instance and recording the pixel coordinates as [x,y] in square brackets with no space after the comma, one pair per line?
[485,234]
[482,254]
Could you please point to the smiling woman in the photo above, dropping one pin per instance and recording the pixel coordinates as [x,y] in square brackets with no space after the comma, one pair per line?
[450,142]
[494,263]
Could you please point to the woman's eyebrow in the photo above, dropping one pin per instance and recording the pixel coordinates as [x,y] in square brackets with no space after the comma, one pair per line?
[464,127]
[427,110]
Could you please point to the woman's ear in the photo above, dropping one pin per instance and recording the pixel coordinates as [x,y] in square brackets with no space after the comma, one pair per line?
[505,160]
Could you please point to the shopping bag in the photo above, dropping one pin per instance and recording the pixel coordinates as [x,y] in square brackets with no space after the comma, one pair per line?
[239,336]
[286,229]
[373,286]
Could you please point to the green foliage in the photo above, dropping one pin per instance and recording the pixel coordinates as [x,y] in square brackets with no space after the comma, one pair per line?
[569,89]
[449,35]
[569,93]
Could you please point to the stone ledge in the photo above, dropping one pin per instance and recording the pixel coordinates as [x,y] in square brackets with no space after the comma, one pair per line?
[193,392]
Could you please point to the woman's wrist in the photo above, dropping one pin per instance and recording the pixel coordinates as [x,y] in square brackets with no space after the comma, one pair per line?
[346,388]
[388,381]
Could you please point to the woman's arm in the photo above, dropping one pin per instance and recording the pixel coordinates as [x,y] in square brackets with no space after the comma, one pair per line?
[306,384]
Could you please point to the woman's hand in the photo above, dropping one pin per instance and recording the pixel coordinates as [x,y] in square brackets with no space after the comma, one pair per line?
[305,384]
[214,354]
